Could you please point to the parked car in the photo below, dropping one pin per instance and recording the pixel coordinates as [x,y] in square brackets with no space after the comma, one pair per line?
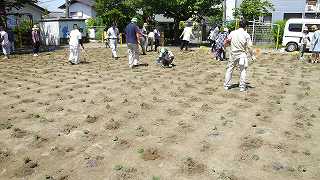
[293,32]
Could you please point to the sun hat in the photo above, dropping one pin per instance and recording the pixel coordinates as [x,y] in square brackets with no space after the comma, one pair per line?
[315,27]
[35,27]
[134,20]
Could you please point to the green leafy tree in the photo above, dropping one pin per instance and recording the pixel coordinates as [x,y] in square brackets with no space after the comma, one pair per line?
[119,11]
[253,9]
[182,10]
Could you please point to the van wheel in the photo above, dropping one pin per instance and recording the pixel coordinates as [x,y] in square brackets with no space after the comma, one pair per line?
[292,47]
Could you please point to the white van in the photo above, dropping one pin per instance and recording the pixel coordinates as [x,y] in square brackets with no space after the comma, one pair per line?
[293,32]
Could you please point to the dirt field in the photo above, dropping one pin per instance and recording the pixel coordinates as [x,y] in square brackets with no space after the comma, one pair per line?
[104,121]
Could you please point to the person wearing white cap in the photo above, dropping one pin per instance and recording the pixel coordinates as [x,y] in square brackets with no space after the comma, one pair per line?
[74,45]
[133,40]
[113,36]
[219,49]
[304,41]
[315,44]
[240,46]
[165,58]
[4,42]
[35,40]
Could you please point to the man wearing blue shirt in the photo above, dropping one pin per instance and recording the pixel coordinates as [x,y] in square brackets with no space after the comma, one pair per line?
[132,37]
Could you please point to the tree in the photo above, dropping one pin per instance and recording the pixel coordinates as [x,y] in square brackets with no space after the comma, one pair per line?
[253,9]
[119,11]
[182,10]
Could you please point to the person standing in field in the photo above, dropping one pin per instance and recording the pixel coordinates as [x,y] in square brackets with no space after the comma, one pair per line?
[11,40]
[151,39]
[144,39]
[186,37]
[219,48]
[35,40]
[133,40]
[4,40]
[304,41]
[315,44]
[75,40]
[113,35]
[212,37]
[240,45]
[156,38]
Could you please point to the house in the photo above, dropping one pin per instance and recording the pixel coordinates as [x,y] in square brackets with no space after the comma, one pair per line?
[283,9]
[29,11]
[81,9]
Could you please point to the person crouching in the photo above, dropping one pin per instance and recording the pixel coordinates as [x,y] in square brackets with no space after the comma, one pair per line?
[166,58]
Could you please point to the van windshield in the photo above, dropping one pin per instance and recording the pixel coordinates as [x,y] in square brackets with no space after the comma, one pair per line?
[295,27]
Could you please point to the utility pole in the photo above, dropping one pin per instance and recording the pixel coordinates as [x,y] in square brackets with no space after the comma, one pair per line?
[67,9]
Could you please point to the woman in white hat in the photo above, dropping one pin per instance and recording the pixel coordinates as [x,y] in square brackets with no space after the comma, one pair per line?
[35,40]
[304,41]
[315,44]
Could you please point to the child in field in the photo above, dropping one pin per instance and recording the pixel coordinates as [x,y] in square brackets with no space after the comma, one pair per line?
[304,41]
[166,58]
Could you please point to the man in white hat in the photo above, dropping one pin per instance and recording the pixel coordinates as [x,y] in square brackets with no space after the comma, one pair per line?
[35,40]
[113,35]
[241,44]
[133,40]
[75,40]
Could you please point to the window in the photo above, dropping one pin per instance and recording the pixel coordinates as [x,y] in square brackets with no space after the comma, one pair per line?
[295,27]
[292,15]
[76,14]
[310,25]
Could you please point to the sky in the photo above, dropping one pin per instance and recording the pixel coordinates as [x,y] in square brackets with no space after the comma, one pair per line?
[51,5]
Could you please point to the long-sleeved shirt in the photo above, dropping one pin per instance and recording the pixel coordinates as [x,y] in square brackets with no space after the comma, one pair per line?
[240,43]
[187,34]
[35,36]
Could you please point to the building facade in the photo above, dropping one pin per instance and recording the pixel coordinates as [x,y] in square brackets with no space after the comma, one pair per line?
[283,9]
[81,9]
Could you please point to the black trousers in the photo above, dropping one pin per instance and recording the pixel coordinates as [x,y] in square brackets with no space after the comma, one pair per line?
[184,44]
[36,47]
[156,44]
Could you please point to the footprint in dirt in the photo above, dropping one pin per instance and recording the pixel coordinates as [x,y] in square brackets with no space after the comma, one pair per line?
[4,153]
[68,128]
[26,169]
[150,154]
[5,125]
[191,167]
[19,133]
[120,144]
[112,125]
[91,119]
[251,143]
[141,131]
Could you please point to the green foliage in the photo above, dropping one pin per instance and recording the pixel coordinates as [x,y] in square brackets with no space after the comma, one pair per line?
[253,9]
[282,24]
[155,178]
[91,22]
[24,27]
[118,11]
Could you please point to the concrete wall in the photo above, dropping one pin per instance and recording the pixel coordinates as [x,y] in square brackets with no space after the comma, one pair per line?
[49,33]
[87,11]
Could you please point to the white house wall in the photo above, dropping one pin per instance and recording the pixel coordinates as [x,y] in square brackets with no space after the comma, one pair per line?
[50,33]
[87,11]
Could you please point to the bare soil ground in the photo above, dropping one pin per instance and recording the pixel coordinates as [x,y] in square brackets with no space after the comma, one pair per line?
[102,120]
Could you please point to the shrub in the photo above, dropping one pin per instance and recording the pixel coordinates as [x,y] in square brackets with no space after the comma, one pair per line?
[282,24]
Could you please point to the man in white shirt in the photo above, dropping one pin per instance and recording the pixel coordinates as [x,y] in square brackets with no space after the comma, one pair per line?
[113,36]
[240,45]
[4,40]
[186,37]
[74,44]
